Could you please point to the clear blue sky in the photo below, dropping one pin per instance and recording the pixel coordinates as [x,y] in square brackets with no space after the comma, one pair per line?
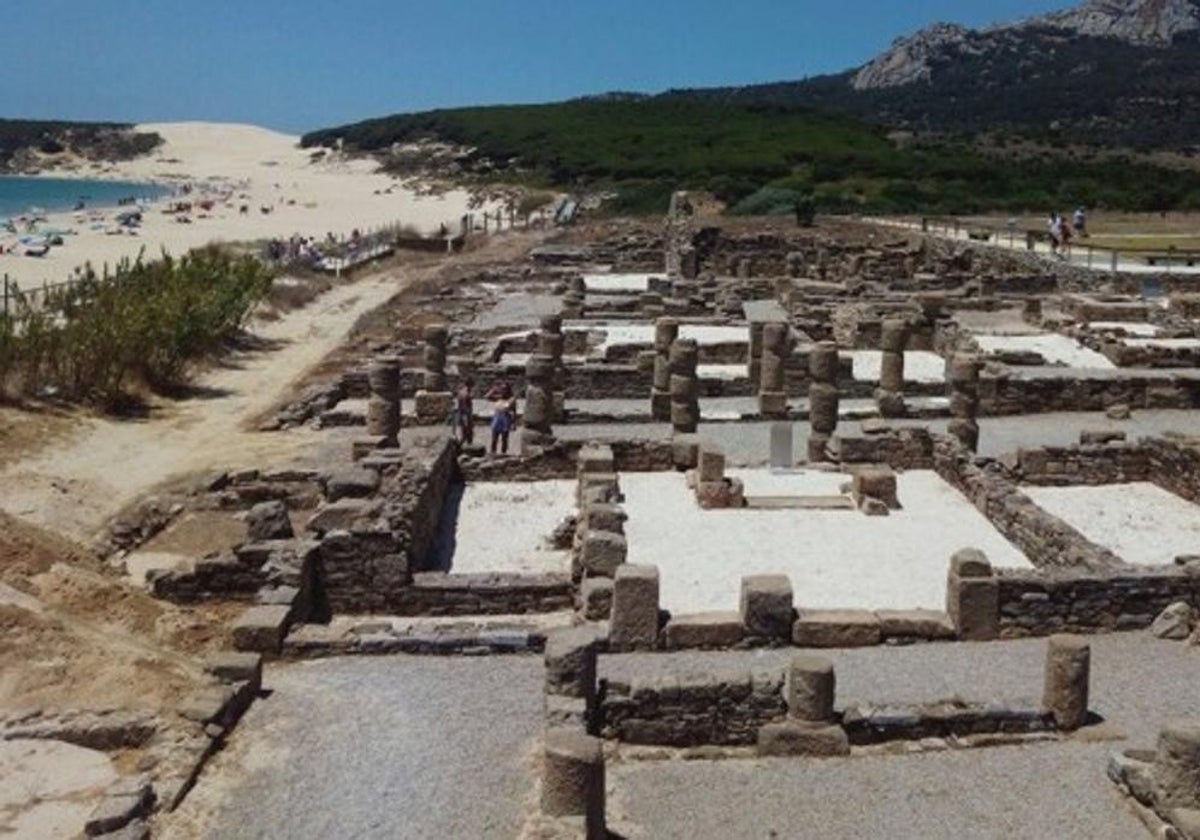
[301,64]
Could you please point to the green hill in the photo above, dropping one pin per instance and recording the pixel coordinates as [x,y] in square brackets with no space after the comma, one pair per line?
[22,142]
[759,158]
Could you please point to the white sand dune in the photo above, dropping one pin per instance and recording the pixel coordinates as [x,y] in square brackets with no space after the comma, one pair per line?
[241,165]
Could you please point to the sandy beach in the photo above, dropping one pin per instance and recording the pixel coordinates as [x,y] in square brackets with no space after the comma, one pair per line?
[236,166]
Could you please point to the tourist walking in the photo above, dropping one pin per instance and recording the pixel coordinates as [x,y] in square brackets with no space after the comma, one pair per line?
[504,415]
[1056,233]
[464,413]
[1079,221]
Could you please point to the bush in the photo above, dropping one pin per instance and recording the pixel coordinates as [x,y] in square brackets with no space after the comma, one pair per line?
[144,322]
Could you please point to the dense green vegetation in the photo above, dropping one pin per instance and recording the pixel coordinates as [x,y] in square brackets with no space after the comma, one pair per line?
[761,158]
[99,336]
[97,141]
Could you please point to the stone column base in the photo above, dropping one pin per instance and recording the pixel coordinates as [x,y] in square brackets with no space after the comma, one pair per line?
[433,407]
[660,405]
[773,405]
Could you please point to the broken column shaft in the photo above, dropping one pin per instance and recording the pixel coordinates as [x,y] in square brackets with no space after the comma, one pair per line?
[666,330]
[822,399]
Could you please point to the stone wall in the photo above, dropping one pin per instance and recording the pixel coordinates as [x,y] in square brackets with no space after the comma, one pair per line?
[1046,540]
[724,709]
[906,448]
[1111,463]
[368,563]
[1037,602]
[1175,465]
[1018,392]
[438,594]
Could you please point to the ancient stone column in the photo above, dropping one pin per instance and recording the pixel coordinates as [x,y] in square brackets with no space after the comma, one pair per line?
[551,342]
[383,405]
[890,396]
[964,399]
[689,262]
[434,402]
[685,387]
[795,263]
[666,330]
[573,300]
[745,268]
[822,398]
[772,388]
[573,779]
[1068,669]
[536,432]
[809,688]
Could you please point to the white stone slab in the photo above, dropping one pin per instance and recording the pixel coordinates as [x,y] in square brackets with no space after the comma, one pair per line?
[1144,330]
[834,558]
[919,365]
[1054,348]
[501,526]
[1163,343]
[1141,523]
[618,282]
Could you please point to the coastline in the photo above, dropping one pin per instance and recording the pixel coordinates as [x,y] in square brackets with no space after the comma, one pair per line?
[261,185]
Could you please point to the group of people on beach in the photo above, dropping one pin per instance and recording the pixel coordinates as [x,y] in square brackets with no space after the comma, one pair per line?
[504,414]
[1061,232]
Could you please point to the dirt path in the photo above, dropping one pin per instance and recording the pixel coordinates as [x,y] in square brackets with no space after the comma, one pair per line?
[75,485]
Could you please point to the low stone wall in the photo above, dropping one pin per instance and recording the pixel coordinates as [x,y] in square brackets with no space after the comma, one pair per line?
[1016,392]
[368,563]
[1040,602]
[1175,465]
[906,448]
[1045,539]
[438,594]
[1111,463]
[723,709]
[1126,356]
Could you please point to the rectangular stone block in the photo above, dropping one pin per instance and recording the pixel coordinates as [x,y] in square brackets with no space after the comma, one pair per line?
[634,622]
[604,517]
[233,666]
[793,738]
[712,464]
[595,595]
[766,605]
[915,624]
[685,451]
[603,487]
[704,630]
[595,458]
[836,628]
[782,444]
[261,629]
[433,406]
[773,404]
[876,482]
[602,553]
[973,596]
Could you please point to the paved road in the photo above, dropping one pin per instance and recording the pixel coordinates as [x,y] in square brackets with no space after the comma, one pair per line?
[377,747]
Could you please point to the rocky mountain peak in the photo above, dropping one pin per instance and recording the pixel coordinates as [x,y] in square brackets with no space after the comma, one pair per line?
[1140,22]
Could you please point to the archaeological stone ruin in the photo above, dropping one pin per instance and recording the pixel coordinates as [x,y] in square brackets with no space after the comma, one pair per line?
[862,445]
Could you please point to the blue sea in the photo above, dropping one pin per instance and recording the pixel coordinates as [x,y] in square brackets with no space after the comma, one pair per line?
[18,194]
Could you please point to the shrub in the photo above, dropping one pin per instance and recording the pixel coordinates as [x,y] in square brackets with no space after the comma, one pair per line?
[91,339]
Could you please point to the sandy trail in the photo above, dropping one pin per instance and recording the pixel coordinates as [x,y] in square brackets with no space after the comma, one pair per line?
[73,487]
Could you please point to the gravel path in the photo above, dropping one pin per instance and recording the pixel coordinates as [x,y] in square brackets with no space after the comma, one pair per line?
[388,747]
[1042,790]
